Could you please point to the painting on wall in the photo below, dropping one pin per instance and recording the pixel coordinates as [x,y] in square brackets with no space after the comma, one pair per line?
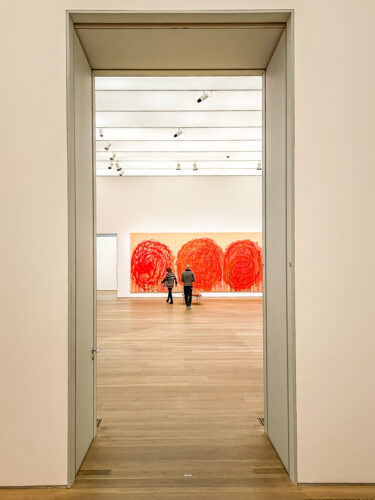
[221,262]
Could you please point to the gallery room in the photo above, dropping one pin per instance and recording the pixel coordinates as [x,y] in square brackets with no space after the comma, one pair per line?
[179,183]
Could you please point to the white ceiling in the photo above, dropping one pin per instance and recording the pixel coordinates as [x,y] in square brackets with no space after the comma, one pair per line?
[164,46]
[140,115]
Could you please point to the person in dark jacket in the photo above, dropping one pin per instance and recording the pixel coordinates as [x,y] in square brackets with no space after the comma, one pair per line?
[188,279]
[169,280]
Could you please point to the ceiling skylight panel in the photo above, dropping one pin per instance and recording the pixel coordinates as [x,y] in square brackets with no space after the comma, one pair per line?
[173,145]
[178,100]
[178,119]
[190,134]
[177,155]
[158,164]
[178,83]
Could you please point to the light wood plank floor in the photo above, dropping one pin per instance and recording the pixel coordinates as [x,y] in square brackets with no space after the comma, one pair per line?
[179,393]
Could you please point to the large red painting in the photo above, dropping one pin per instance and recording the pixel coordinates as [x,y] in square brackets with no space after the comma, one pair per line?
[149,262]
[221,262]
[243,263]
[206,258]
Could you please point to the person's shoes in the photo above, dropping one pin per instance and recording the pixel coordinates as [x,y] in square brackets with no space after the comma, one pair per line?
[189,307]
[171,302]
[167,301]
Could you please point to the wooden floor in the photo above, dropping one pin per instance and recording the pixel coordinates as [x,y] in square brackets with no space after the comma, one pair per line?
[179,394]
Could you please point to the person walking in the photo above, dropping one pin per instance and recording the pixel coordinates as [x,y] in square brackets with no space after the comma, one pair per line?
[170,280]
[188,279]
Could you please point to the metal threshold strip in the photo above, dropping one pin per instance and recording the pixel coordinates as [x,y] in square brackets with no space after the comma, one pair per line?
[176,90]
[178,110]
[173,127]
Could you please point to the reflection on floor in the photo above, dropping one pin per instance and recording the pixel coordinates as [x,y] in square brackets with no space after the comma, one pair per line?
[179,394]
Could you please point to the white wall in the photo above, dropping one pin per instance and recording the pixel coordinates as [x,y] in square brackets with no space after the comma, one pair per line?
[170,204]
[106,262]
[335,244]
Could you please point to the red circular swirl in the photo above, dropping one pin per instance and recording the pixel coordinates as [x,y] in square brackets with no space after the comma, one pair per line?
[149,261]
[205,258]
[243,265]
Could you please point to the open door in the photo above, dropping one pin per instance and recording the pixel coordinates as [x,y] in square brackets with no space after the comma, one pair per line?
[82,261]
[279,354]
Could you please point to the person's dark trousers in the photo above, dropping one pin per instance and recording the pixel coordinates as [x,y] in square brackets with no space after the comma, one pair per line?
[188,292]
[170,295]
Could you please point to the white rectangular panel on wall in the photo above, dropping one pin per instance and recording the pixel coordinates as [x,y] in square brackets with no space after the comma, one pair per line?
[106,262]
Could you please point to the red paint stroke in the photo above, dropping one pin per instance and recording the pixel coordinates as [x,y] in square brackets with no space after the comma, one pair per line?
[149,261]
[205,258]
[243,265]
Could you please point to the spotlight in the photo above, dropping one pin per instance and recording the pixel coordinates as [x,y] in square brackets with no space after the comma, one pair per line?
[118,168]
[113,156]
[203,97]
[179,132]
[228,156]
[101,132]
[121,173]
[259,167]
[195,166]
[178,166]
[107,146]
[110,166]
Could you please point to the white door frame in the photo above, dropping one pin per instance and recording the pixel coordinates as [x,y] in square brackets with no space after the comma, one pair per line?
[72,277]
[289,217]
[289,264]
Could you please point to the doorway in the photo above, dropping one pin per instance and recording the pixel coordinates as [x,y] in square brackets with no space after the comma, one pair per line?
[278,203]
[106,262]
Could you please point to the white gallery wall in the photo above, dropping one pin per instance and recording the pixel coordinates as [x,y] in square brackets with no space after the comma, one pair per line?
[334,241]
[171,204]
